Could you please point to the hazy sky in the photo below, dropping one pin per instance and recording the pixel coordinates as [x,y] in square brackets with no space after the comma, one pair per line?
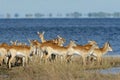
[58,6]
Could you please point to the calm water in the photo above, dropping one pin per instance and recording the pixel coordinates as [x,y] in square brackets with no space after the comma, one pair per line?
[80,30]
[114,70]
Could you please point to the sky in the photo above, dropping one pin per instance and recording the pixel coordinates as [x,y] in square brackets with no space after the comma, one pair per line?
[58,6]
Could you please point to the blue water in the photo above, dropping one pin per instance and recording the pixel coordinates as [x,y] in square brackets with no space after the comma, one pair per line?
[114,70]
[80,30]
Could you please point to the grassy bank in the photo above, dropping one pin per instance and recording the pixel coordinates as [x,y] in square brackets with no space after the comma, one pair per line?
[61,71]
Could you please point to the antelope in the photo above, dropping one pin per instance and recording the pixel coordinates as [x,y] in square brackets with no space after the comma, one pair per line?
[3,53]
[90,43]
[17,43]
[36,45]
[59,40]
[99,52]
[23,52]
[52,48]
[83,51]
[86,46]
[39,47]
[41,36]
[14,42]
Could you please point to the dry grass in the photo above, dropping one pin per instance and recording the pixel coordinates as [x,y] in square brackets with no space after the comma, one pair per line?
[61,71]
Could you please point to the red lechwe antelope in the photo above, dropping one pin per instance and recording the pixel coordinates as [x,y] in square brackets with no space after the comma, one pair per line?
[86,46]
[59,40]
[101,51]
[84,51]
[23,52]
[41,36]
[3,53]
[52,48]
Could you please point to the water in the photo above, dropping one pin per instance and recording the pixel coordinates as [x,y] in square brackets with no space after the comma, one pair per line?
[80,30]
[114,70]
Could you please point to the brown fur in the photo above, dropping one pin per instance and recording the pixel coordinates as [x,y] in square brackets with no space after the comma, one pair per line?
[101,51]
[19,51]
[58,50]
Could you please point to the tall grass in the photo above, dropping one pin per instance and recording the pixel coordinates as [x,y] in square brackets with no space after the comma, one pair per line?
[61,71]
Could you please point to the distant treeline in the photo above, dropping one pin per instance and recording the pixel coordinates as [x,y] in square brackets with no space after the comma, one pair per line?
[60,15]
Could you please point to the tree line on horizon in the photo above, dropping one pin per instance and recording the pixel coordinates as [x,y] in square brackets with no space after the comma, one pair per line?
[67,15]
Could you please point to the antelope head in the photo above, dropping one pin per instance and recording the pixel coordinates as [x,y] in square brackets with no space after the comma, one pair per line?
[61,40]
[109,47]
[72,43]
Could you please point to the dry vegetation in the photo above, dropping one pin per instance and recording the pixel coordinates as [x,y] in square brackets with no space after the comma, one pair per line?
[61,71]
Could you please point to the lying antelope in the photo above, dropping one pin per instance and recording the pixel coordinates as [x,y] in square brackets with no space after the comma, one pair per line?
[99,52]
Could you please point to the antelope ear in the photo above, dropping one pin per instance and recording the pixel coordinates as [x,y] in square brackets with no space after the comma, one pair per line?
[43,32]
[72,41]
[108,42]
[16,41]
[29,40]
[89,41]
[59,37]
[11,42]
[35,40]
[38,32]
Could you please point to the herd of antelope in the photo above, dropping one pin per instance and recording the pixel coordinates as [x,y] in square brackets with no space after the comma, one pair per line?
[46,49]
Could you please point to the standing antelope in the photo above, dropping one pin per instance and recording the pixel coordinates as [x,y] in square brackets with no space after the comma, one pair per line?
[101,51]
[59,40]
[23,52]
[85,47]
[41,36]
[84,52]
[52,48]
[3,53]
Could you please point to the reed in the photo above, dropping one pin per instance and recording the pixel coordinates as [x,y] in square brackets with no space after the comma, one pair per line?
[61,71]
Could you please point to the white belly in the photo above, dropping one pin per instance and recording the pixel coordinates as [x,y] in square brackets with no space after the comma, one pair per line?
[19,54]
